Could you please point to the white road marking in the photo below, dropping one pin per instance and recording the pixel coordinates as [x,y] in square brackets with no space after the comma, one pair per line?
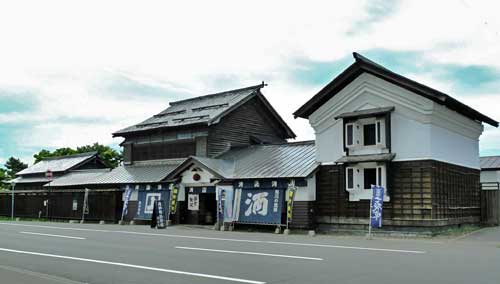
[134,266]
[250,253]
[50,235]
[224,239]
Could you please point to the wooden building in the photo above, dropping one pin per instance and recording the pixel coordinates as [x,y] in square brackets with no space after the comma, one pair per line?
[37,196]
[376,127]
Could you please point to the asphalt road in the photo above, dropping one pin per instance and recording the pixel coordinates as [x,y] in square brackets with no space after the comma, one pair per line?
[72,253]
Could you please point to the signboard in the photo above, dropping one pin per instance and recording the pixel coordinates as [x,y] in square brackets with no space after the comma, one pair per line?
[193,202]
[376,206]
[128,194]
[174,191]
[146,201]
[260,206]
[161,223]
[289,208]
[75,204]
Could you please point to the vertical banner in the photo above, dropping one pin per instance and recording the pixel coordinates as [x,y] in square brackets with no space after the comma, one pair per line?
[292,190]
[376,206]
[221,196]
[128,193]
[86,202]
[228,205]
[161,222]
[174,193]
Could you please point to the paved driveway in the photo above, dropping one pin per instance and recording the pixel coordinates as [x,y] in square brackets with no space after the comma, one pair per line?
[486,235]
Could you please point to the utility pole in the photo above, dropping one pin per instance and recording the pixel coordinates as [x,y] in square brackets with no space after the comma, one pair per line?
[12,201]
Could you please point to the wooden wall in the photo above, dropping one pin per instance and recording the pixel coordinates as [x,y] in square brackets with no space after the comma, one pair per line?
[235,129]
[303,215]
[423,193]
[103,205]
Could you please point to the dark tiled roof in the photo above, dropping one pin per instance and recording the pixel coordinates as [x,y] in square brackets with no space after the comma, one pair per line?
[205,110]
[490,163]
[362,65]
[291,160]
[58,164]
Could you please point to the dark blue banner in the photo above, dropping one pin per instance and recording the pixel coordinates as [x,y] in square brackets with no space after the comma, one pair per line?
[376,206]
[146,200]
[260,206]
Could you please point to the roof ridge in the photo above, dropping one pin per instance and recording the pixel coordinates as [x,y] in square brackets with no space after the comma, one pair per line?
[257,87]
[91,153]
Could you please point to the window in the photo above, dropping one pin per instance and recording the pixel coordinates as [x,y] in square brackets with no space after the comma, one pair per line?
[350,178]
[369,134]
[370,177]
[349,134]
[379,176]
[378,132]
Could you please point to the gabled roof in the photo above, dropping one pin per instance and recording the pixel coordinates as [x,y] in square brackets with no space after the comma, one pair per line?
[59,164]
[362,65]
[289,160]
[205,110]
[491,163]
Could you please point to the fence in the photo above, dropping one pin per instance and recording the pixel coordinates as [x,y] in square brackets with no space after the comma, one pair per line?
[490,203]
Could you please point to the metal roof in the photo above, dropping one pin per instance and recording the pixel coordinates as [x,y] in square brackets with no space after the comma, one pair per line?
[37,179]
[58,164]
[205,110]
[138,173]
[490,163]
[365,65]
[82,177]
[290,160]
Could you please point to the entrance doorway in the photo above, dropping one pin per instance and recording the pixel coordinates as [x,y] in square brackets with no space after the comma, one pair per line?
[200,207]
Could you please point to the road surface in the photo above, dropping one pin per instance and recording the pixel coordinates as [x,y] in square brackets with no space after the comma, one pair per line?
[43,253]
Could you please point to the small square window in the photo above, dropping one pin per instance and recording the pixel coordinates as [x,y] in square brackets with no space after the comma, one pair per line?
[369,134]
[350,178]
[370,177]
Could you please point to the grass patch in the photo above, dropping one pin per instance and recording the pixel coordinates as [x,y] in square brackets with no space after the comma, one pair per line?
[458,231]
[4,218]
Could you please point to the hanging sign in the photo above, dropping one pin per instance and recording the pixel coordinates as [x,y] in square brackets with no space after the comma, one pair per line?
[376,206]
[146,202]
[260,206]
[221,196]
[174,191]
[228,206]
[193,202]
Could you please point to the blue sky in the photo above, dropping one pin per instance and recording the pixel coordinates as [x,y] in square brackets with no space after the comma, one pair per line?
[68,81]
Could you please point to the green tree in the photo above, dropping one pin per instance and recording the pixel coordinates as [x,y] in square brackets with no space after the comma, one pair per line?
[108,155]
[3,179]
[13,166]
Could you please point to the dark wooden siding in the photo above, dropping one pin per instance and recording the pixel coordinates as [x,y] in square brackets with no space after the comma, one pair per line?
[235,129]
[303,215]
[422,193]
[102,205]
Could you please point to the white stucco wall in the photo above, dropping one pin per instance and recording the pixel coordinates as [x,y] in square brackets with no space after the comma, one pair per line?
[307,193]
[490,176]
[420,128]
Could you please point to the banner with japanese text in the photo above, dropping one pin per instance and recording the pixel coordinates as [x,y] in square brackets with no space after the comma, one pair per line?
[376,206]
[260,206]
[146,200]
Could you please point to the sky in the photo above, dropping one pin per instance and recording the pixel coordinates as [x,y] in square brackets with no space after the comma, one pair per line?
[73,72]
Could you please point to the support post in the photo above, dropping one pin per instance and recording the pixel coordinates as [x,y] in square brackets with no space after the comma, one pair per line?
[12,201]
